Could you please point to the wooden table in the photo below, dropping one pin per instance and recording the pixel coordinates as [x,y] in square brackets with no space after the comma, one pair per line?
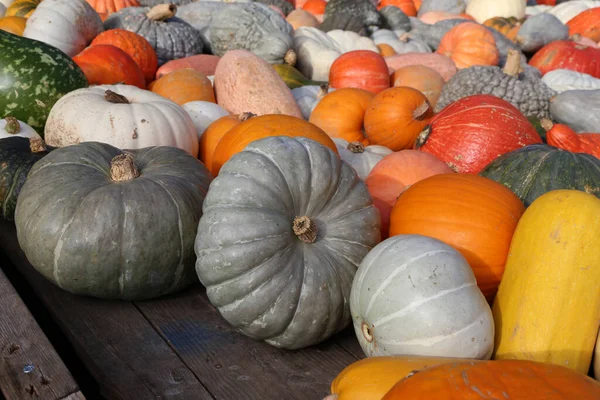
[176,347]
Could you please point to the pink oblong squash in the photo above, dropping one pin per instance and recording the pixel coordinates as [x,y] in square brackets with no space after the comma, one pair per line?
[205,63]
[442,64]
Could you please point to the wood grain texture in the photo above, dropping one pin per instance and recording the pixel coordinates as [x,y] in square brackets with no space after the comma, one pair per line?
[233,366]
[24,345]
[116,343]
[74,396]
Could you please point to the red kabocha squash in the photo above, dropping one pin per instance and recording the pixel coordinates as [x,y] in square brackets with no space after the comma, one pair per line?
[407,6]
[475,130]
[499,379]
[475,215]
[426,80]
[107,7]
[394,173]
[133,44]
[14,25]
[586,24]
[205,63]
[362,69]
[341,114]
[396,116]
[183,86]
[567,54]
[563,137]
[105,64]
[469,44]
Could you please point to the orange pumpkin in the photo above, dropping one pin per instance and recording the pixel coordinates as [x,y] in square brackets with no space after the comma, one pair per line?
[407,6]
[426,80]
[469,44]
[213,134]
[133,44]
[14,25]
[509,27]
[586,24]
[363,69]
[184,85]
[371,378]
[315,7]
[498,379]
[386,50]
[475,215]
[431,17]
[341,114]
[105,64]
[396,116]
[394,173]
[107,7]
[261,127]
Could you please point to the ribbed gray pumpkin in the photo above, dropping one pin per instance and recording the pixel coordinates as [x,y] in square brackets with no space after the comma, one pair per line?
[256,28]
[100,222]
[171,37]
[578,109]
[539,30]
[285,225]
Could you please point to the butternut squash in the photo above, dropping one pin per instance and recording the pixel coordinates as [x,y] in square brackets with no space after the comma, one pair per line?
[548,305]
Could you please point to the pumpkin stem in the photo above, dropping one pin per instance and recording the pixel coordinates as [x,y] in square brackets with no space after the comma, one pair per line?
[305,229]
[356,147]
[161,12]
[12,125]
[122,168]
[546,123]
[423,136]
[323,90]
[513,63]
[115,98]
[246,116]
[290,58]
[367,332]
[404,37]
[419,112]
[36,145]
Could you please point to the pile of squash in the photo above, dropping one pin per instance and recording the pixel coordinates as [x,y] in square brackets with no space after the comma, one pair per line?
[427,171]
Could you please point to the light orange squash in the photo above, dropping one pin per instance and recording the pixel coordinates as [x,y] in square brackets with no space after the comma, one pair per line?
[426,80]
[442,64]
[299,18]
[183,86]
[205,63]
[386,50]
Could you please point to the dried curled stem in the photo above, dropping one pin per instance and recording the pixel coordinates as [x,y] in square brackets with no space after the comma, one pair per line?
[122,168]
[305,229]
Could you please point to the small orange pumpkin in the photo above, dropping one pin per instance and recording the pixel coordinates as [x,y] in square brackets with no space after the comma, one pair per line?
[426,80]
[341,114]
[363,69]
[133,44]
[386,50]
[509,27]
[237,138]
[14,25]
[396,116]
[469,44]
[105,64]
[184,85]
[475,215]
[407,6]
[586,24]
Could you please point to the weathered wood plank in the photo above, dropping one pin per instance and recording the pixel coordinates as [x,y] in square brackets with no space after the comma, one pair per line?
[29,365]
[75,396]
[233,366]
[123,352]
[348,341]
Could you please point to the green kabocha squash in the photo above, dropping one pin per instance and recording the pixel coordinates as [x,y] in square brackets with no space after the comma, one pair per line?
[286,224]
[113,224]
[17,156]
[536,169]
[528,93]
[33,76]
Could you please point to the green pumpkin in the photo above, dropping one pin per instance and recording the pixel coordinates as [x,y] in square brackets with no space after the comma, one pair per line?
[113,224]
[536,169]
[33,76]
[17,156]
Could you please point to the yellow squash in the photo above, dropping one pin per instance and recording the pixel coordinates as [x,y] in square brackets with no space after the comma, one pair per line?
[548,304]
[371,378]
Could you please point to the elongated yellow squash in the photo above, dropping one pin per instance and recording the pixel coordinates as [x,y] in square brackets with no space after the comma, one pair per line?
[371,378]
[548,304]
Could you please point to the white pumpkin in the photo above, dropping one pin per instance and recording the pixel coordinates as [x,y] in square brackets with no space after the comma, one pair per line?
[482,10]
[530,11]
[415,295]
[124,116]
[361,158]
[69,25]
[308,96]
[203,114]
[400,41]
[11,127]
[317,50]
[565,11]
[561,80]
[2,10]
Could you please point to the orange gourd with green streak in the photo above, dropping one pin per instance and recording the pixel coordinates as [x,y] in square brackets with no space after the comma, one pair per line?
[22,8]
[264,126]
